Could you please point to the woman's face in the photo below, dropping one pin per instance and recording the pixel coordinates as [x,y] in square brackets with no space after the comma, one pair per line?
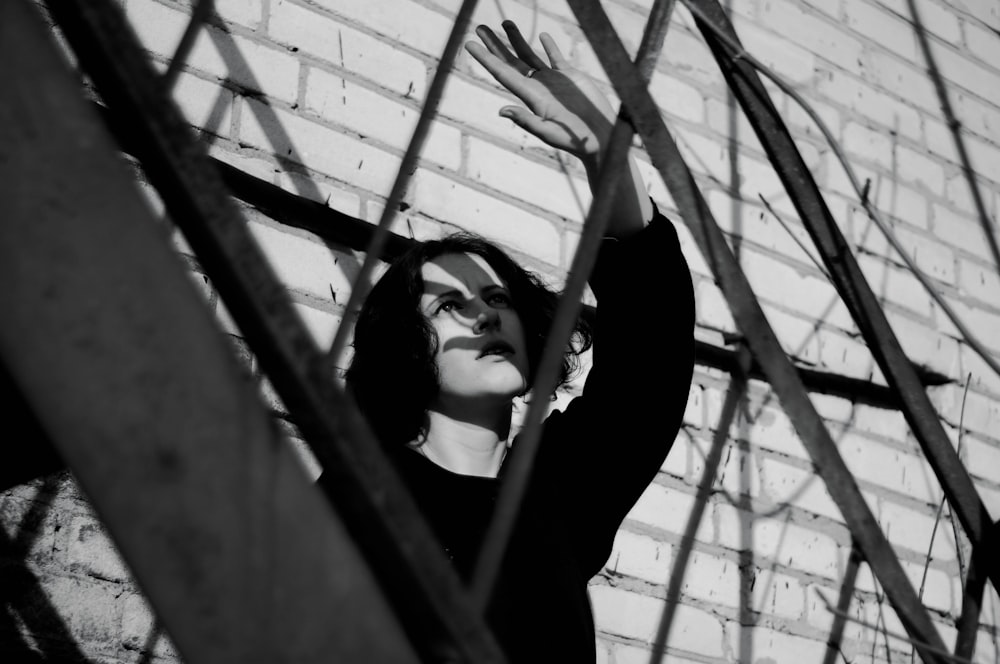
[481,351]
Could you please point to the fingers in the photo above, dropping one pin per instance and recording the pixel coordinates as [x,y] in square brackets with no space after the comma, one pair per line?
[551,50]
[521,47]
[497,48]
[531,123]
[505,74]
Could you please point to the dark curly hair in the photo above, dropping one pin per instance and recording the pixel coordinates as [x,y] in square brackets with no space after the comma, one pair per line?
[393,374]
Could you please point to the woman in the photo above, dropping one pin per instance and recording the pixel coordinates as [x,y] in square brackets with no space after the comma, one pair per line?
[453,332]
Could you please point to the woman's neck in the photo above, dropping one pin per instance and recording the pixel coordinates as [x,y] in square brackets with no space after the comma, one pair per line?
[466,447]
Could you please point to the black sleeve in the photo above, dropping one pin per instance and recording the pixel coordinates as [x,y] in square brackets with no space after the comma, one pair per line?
[601,453]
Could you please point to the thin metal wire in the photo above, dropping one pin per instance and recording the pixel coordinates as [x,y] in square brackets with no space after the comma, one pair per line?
[737,388]
[199,15]
[802,245]
[748,314]
[896,635]
[613,161]
[406,169]
[955,126]
[853,287]
[873,213]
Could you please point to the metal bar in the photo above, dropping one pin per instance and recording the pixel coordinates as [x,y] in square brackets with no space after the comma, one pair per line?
[843,604]
[736,391]
[751,320]
[852,286]
[614,160]
[972,603]
[739,53]
[364,488]
[406,169]
[113,347]
[955,127]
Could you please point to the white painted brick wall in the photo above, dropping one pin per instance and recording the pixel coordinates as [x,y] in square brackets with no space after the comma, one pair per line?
[321,96]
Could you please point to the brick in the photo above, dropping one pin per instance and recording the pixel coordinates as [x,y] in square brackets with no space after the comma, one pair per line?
[637,616]
[845,355]
[934,259]
[304,263]
[88,608]
[981,43]
[694,412]
[795,289]
[903,80]
[712,579]
[907,528]
[641,557]
[991,500]
[960,71]
[320,35]
[478,107]
[795,547]
[798,337]
[893,285]
[770,429]
[770,645]
[157,26]
[712,308]
[248,13]
[676,462]
[982,458]
[870,145]
[688,56]
[959,194]
[397,20]
[449,201]
[738,472]
[319,147]
[938,590]
[204,104]
[677,98]
[982,321]
[785,484]
[888,467]
[332,196]
[960,232]
[247,63]
[792,62]
[92,552]
[139,624]
[984,157]
[885,29]
[836,409]
[818,34]
[890,424]
[977,116]
[542,184]
[371,114]
[320,324]
[778,595]
[981,376]
[668,509]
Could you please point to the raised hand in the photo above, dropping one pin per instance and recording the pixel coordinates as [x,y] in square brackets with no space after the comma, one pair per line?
[564,107]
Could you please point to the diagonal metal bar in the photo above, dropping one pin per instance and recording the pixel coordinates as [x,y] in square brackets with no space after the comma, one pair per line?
[843,605]
[752,322]
[956,127]
[361,483]
[406,169]
[740,54]
[613,162]
[736,391]
[853,287]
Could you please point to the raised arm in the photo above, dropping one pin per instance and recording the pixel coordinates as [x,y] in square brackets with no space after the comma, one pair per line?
[565,109]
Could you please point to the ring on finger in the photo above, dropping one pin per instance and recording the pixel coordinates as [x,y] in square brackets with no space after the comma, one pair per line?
[531,72]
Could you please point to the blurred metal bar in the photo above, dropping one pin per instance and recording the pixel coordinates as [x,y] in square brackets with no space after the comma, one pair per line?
[853,287]
[110,343]
[373,253]
[758,333]
[844,600]
[377,511]
[613,161]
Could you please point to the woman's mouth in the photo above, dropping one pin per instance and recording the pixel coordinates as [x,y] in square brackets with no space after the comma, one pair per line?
[501,348]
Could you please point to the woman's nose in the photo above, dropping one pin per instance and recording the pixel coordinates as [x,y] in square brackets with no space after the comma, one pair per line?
[487,319]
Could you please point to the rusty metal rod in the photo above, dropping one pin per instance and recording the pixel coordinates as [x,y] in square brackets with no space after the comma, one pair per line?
[851,284]
[406,169]
[751,320]
[360,481]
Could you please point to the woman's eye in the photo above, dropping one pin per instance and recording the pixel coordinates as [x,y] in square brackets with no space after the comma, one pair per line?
[446,306]
[499,300]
